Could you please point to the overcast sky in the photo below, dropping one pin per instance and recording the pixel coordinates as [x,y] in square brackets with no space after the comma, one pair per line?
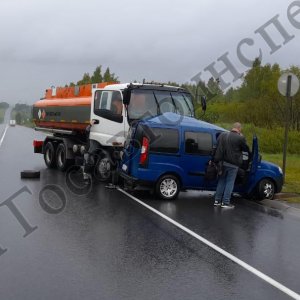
[52,42]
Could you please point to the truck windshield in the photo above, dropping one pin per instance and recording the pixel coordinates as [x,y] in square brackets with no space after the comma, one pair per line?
[149,103]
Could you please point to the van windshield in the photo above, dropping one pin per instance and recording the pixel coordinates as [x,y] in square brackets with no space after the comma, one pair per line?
[149,103]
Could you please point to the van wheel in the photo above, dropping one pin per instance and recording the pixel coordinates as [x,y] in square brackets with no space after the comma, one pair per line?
[49,155]
[265,190]
[167,187]
[61,158]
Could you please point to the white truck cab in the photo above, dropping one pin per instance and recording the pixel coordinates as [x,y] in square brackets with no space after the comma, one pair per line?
[12,122]
[109,115]
[116,105]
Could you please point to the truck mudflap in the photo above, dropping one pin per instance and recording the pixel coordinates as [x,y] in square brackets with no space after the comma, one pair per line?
[38,146]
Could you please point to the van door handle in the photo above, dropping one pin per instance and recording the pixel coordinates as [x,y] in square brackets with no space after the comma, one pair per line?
[95,121]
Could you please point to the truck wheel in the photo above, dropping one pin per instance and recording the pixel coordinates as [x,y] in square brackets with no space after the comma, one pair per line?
[61,158]
[103,169]
[49,155]
[167,187]
[265,189]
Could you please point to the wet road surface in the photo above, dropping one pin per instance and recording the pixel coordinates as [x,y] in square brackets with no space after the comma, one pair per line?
[104,245]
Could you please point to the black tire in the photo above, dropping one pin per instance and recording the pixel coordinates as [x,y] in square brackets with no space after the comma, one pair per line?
[30,174]
[167,187]
[62,162]
[103,169]
[265,190]
[49,155]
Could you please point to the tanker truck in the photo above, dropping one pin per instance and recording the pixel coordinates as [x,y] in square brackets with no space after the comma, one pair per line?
[66,113]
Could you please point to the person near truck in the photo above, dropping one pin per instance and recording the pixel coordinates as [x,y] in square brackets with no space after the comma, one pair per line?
[229,157]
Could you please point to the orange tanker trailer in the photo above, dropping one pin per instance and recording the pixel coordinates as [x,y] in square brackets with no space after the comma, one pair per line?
[65,108]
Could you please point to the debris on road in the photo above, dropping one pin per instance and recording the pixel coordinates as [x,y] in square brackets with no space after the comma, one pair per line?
[30,174]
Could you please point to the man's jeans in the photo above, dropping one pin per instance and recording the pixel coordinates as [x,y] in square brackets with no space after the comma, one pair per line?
[226,184]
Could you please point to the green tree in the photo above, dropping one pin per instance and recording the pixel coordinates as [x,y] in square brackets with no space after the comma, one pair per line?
[86,79]
[4,105]
[213,87]
[18,118]
[109,77]
[97,76]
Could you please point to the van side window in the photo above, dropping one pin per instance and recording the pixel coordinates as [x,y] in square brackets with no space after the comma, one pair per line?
[198,143]
[164,140]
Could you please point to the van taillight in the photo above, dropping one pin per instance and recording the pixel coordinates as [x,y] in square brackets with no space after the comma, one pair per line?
[144,151]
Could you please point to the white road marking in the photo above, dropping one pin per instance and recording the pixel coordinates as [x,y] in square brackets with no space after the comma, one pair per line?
[2,138]
[233,258]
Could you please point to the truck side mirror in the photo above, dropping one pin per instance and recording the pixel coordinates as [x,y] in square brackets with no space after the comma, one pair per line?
[95,121]
[203,103]
[126,96]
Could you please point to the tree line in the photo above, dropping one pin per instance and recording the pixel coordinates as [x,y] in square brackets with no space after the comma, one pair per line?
[4,105]
[256,101]
[96,77]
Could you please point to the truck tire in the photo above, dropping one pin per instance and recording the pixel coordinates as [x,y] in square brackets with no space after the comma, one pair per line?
[103,170]
[49,155]
[62,162]
[265,189]
[167,187]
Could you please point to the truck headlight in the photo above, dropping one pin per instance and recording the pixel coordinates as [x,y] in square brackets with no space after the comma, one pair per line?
[82,149]
[75,148]
[280,170]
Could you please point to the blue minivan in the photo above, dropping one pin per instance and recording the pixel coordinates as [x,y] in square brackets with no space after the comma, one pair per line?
[169,153]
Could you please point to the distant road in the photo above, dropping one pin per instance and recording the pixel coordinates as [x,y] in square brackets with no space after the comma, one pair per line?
[5,124]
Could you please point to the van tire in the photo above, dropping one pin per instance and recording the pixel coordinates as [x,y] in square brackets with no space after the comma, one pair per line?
[49,155]
[265,190]
[167,187]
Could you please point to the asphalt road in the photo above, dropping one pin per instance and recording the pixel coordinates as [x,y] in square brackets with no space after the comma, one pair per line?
[104,245]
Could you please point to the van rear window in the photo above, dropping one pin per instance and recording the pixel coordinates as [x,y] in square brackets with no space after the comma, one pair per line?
[164,140]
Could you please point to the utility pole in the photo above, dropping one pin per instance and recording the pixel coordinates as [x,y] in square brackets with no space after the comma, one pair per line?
[288,86]
[287,123]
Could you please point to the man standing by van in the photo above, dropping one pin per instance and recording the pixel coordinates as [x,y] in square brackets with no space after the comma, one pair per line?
[229,153]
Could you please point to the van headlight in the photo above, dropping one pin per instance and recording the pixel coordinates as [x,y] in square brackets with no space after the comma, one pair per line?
[280,170]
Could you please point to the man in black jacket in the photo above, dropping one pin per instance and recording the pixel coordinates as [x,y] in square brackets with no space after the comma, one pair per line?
[229,153]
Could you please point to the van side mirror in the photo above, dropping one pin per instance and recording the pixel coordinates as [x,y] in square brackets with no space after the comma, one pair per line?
[126,96]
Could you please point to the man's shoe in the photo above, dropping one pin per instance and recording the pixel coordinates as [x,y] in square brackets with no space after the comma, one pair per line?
[217,203]
[224,205]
